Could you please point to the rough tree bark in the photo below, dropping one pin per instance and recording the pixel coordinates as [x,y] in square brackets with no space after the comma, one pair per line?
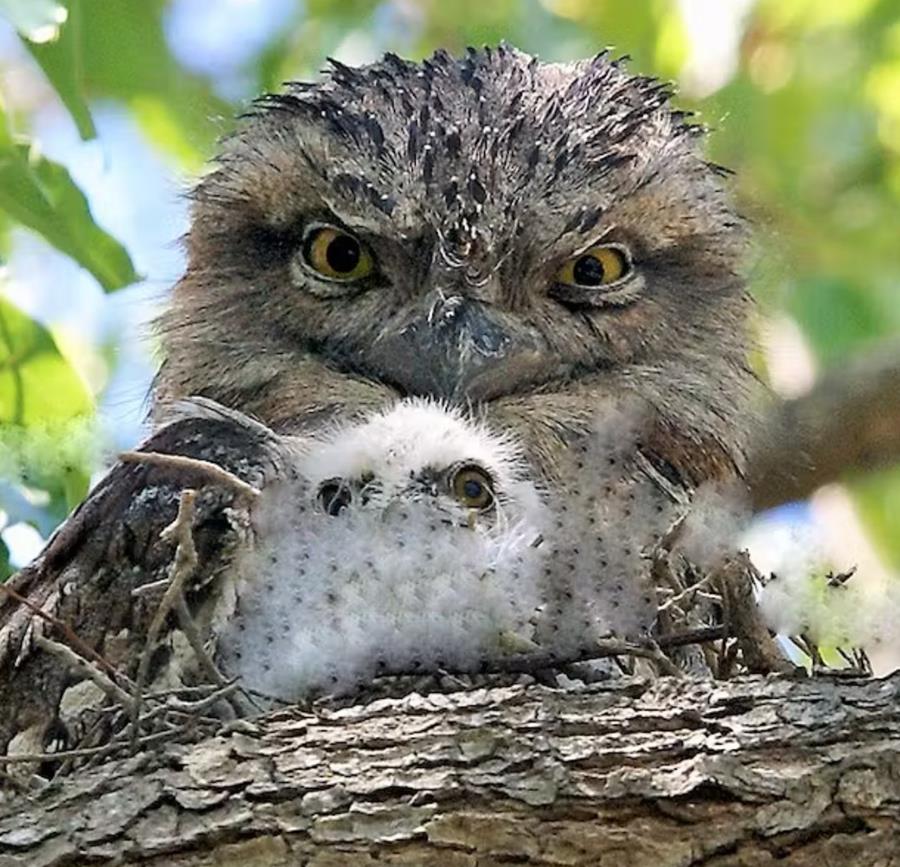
[742,773]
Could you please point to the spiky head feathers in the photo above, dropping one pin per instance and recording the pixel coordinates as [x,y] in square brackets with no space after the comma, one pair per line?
[467,185]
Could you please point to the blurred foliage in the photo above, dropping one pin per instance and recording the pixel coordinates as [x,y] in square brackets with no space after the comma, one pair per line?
[61,59]
[37,385]
[48,445]
[39,194]
[809,117]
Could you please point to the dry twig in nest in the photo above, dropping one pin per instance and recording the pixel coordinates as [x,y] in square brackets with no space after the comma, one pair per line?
[216,474]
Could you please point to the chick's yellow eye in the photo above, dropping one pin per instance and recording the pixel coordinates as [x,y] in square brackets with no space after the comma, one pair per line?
[336,255]
[473,487]
[595,267]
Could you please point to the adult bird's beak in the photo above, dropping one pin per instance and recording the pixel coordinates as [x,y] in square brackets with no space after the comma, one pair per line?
[457,348]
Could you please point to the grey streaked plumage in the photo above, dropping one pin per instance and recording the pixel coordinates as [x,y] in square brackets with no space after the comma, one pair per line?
[471,180]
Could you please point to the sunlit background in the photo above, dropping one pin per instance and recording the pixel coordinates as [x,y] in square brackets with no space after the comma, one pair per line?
[803,97]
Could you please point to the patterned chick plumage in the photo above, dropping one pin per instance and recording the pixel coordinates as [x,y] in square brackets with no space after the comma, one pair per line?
[365,562]
[609,513]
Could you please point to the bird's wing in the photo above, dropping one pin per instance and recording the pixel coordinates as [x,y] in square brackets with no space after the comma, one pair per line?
[79,590]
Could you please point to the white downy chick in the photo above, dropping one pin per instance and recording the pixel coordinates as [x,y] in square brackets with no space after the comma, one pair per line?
[406,542]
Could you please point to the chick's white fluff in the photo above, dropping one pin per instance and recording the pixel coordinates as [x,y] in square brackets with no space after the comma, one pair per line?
[404,578]
[833,615]
[608,515]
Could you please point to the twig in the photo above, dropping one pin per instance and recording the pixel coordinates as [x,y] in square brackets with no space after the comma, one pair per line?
[689,590]
[655,655]
[759,652]
[208,468]
[800,645]
[856,660]
[104,749]
[727,659]
[189,628]
[181,568]
[204,660]
[202,689]
[813,650]
[528,663]
[150,587]
[85,668]
[264,696]
[61,755]
[79,644]
[693,636]
[181,529]
[197,707]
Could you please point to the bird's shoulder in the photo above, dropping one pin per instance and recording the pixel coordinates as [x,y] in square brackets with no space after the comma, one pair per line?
[82,584]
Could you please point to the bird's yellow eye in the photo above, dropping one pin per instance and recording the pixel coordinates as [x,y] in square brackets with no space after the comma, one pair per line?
[597,266]
[336,255]
[473,487]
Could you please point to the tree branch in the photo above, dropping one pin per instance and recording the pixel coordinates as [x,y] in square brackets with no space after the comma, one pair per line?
[687,773]
[849,421]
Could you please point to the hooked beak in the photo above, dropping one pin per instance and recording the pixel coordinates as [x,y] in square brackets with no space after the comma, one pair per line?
[459,348]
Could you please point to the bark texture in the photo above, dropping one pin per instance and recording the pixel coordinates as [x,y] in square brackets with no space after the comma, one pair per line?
[677,773]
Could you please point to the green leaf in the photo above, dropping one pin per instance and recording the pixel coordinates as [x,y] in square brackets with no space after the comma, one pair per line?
[37,20]
[37,385]
[75,483]
[5,568]
[127,58]
[62,61]
[48,440]
[41,195]
[878,497]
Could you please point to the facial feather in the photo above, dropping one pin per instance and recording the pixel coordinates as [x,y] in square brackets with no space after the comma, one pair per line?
[471,181]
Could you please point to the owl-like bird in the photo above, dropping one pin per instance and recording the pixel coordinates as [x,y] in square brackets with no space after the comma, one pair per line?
[409,542]
[545,242]
[536,237]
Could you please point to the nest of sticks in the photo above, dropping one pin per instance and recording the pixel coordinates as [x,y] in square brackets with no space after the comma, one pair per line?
[708,625]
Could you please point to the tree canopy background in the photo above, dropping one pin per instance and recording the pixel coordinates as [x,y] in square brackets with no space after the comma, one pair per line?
[109,109]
